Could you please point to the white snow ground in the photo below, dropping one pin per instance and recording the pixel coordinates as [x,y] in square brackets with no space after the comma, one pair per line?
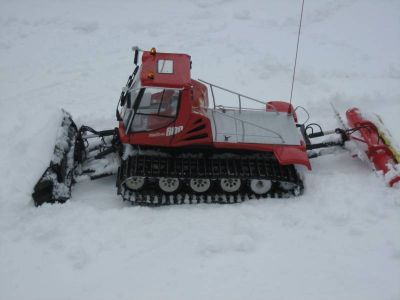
[338,241]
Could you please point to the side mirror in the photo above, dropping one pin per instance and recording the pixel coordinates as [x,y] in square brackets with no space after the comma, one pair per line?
[136,55]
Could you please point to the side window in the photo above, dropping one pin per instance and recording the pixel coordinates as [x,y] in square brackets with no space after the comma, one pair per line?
[157,109]
[169,104]
[162,102]
[150,101]
[149,122]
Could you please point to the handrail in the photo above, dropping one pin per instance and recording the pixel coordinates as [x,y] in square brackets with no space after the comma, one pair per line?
[236,93]
[223,107]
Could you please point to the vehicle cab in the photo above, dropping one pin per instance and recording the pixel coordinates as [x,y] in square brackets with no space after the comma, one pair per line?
[160,99]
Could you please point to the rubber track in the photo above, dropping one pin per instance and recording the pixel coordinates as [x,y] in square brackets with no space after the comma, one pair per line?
[186,167]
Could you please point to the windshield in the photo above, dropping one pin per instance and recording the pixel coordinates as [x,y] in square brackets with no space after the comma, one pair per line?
[130,96]
[150,108]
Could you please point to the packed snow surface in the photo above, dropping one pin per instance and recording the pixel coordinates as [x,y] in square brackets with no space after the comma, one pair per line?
[340,240]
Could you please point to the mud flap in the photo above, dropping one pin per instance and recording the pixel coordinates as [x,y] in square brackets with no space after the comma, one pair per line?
[56,182]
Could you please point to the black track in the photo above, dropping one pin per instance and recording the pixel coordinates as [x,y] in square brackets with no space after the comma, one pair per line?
[286,182]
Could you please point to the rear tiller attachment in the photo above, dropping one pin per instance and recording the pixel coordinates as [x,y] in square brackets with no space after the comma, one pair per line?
[376,141]
[366,137]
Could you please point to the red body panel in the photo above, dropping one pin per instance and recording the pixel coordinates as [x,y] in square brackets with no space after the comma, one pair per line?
[378,152]
[286,155]
[180,77]
[192,127]
[281,106]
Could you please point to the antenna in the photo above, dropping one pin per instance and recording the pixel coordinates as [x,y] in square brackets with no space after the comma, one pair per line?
[295,59]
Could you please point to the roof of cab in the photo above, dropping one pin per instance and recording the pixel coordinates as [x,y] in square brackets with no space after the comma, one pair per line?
[175,75]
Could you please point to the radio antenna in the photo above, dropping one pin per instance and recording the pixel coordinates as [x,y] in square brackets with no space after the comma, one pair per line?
[295,59]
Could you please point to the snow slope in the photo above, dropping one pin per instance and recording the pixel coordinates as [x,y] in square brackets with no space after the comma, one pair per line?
[340,240]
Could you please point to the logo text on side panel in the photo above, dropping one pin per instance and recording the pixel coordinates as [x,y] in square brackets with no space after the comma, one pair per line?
[173,130]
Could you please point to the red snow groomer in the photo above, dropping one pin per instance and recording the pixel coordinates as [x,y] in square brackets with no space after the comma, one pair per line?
[170,147]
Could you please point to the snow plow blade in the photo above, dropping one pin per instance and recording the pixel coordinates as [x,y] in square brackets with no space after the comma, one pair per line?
[56,182]
[377,143]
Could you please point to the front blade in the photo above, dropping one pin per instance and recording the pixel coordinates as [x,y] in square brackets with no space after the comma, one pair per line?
[55,183]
